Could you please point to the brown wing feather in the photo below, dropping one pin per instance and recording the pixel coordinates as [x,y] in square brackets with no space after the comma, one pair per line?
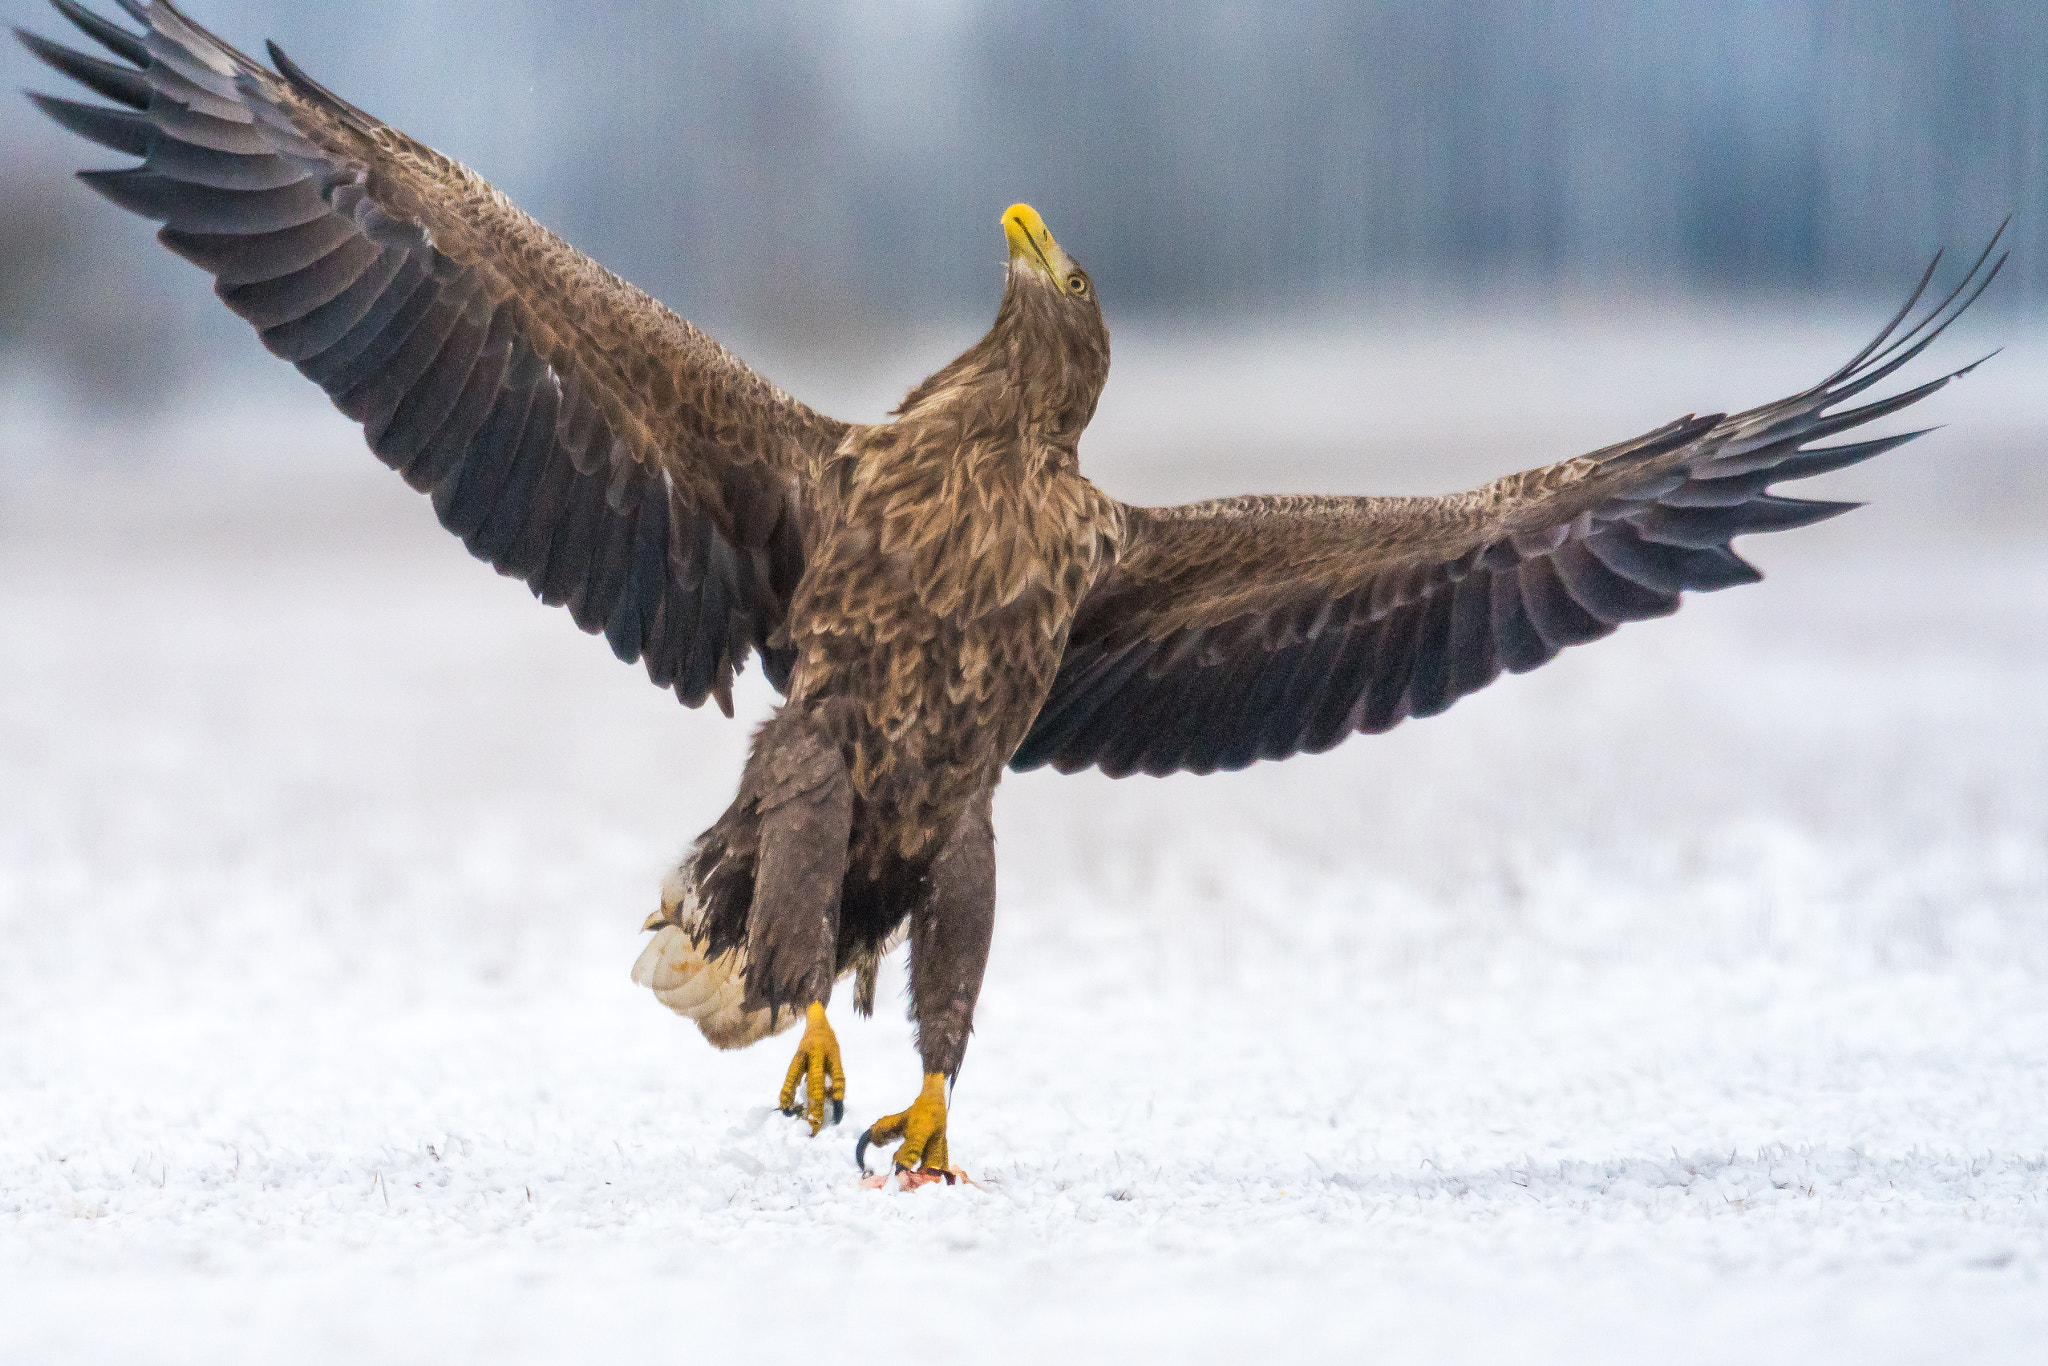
[569,428]
[1255,628]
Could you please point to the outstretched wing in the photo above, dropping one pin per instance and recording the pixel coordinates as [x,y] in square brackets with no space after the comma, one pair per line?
[570,429]
[1255,628]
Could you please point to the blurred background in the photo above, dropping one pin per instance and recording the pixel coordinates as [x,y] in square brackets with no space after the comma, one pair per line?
[802,176]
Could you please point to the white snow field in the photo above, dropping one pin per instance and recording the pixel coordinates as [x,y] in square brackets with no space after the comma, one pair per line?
[1684,1001]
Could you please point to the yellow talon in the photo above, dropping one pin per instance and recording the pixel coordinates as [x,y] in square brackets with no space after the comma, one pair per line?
[922,1128]
[816,1060]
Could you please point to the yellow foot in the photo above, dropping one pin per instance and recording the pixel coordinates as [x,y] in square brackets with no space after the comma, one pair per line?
[817,1058]
[922,1128]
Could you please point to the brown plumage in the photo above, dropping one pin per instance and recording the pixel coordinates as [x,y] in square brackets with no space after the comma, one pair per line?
[938,595]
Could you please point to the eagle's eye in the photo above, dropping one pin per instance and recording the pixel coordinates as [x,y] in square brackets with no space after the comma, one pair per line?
[1077,284]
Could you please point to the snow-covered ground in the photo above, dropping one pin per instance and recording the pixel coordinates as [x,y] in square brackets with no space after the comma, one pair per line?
[1681,1002]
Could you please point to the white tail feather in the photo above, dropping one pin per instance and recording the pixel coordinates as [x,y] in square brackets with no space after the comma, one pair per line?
[710,991]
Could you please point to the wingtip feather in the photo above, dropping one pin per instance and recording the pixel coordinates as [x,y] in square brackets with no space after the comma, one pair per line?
[310,90]
[112,37]
[122,84]
[116,129]
[1973,365]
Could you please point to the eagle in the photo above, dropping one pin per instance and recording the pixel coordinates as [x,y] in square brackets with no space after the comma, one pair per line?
[938,596]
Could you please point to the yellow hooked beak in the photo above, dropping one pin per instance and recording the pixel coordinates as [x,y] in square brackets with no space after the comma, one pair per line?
[1030,240]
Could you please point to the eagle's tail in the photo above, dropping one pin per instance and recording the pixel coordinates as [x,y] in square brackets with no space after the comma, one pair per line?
[709,990]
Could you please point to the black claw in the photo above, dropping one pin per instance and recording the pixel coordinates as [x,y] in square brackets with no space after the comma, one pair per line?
[860,1148]
[836,1109]
[793,1111]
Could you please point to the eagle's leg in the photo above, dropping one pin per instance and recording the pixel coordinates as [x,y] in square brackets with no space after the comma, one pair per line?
[817,1064]
[949,938]
[922,1129]
[798,780]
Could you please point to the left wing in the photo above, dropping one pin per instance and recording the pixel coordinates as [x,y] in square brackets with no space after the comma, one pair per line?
[571,430]
[1255,628]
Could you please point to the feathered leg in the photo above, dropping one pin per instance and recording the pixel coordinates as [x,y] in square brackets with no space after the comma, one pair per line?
[949,938]
[746,936]
[799,782]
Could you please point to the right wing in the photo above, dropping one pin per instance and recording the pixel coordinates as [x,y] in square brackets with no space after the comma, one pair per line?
[570,429]
[1254,628]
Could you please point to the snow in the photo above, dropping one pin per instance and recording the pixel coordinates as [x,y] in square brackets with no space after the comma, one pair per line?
[1680,1002]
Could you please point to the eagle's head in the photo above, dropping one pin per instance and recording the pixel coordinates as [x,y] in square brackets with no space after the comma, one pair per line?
[1043,364]
[1056,341]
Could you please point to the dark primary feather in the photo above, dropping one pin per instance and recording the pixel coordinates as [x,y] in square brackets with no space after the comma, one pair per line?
[122,84]
[112,37]
[113,128]
[568,428]
[1254,628]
